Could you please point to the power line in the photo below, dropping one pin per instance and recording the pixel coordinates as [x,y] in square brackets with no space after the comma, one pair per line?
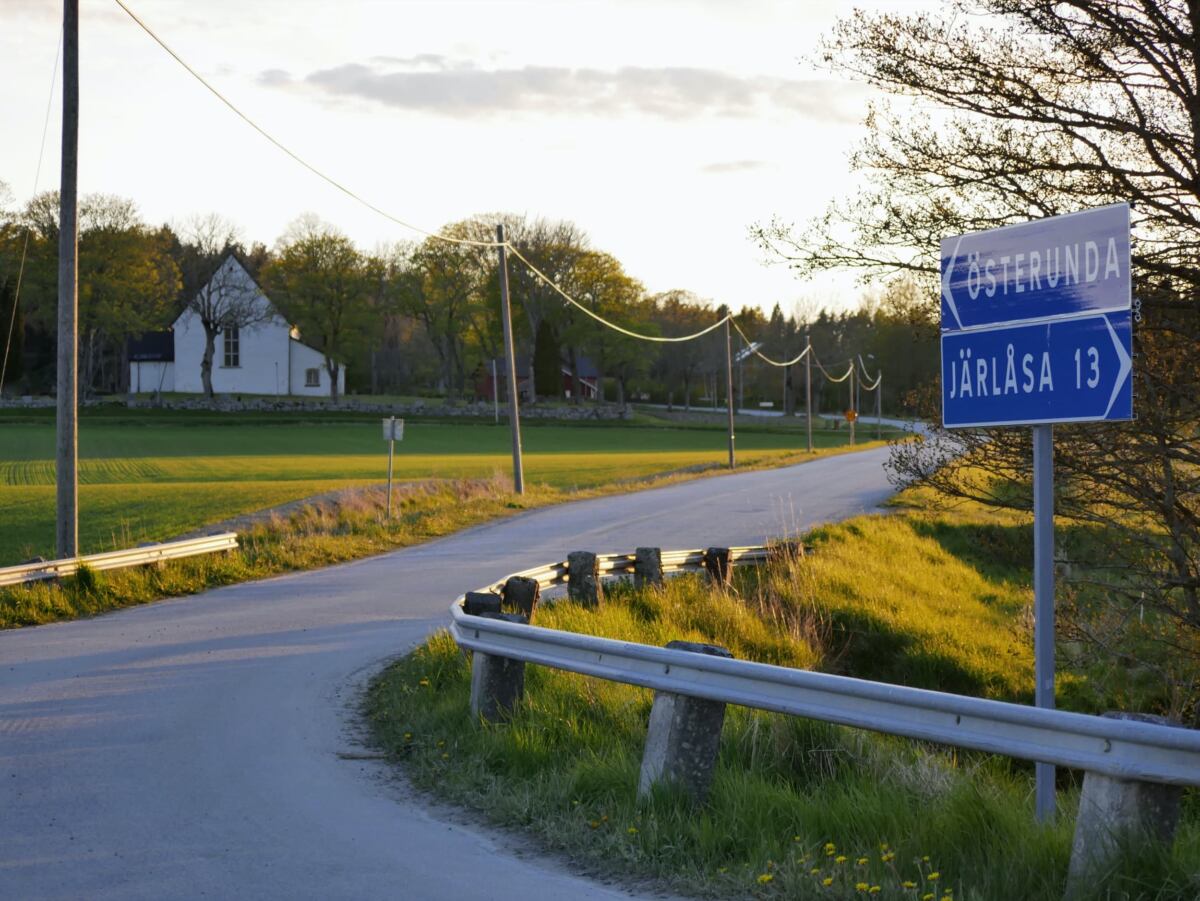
[311,168]
[612,325]
[29,228]
[764,357]
[863,369]
[849,370]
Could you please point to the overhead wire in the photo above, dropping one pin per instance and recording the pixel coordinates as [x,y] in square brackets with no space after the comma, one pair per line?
[849,370]
[863,369]
[12,320]
[782,363]
[281,146]
[662,339]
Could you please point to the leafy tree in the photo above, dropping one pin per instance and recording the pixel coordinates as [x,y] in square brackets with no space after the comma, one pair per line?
[1012,109]
[322,283]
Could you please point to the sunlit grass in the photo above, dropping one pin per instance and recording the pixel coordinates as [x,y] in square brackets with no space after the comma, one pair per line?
[892,598]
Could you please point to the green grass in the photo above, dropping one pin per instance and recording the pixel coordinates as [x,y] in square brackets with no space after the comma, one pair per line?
[900,598]
[153,474]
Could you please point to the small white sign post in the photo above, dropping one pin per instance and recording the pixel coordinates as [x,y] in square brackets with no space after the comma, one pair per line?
[393,431]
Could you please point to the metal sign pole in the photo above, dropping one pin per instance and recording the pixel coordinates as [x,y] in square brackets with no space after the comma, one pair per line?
[853,406]
[391,452]
[1043,598]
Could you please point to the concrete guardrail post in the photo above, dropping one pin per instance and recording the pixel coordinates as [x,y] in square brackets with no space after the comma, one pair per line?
[1116,812]
[522,594]
[684,737]
[583,578]
[647,567]
[716,563]
[785,551]
[497,683]
[477,603]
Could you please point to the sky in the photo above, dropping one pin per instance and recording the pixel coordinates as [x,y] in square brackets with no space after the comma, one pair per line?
[664,128]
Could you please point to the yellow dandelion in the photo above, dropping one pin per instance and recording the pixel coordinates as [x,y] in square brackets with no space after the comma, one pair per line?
[764,878]
[928,896]
[883,846]
[841,858]
[830,848]
[827,881]
[815,871]
[934,876]
[860,886]
[862,861]
[875,889]
[424,683]
[445,757]
[908,883]
[408,736]
[888,857]
[632,830]
[795,838]
[925,859]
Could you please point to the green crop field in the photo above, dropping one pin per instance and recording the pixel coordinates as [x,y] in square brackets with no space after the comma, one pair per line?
[151,475]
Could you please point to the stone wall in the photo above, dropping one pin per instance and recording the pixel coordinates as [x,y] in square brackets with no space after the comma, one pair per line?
[418,408]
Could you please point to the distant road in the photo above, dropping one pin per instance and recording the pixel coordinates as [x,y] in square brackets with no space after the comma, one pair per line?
[203,747]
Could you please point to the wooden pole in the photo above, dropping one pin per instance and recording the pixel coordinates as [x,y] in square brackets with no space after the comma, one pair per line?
[729,389]
[514,419]
[879,406]
[67,431]
[808,386]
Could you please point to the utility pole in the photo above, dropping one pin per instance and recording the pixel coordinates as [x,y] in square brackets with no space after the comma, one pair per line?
[729,388]
[514,419]
[879,406]
[67,437]
[808,385]
[853,408]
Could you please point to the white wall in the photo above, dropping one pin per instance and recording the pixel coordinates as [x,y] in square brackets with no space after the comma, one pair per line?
[304,358]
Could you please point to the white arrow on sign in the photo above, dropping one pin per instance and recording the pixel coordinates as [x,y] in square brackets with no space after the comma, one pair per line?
[1126,366]
[947,295]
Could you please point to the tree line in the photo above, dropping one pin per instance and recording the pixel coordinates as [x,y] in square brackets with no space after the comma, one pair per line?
[423,317]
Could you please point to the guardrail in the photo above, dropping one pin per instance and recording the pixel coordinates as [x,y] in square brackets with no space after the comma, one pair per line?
[1129,760]
[140,556]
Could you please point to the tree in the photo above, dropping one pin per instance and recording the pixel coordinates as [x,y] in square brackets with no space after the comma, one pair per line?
[1015,109]
[220,295]
[322,283]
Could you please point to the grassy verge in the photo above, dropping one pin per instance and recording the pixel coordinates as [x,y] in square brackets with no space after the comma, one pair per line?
[799,809]
[147,475]
[318,534]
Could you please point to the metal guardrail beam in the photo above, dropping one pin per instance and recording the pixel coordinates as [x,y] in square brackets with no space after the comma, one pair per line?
[141,556]
[1122,749]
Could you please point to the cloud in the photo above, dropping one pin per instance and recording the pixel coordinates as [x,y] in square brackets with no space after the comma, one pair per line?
[734,166]
[441,86]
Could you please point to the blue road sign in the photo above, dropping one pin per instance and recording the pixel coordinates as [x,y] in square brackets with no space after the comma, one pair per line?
[1060,266]
[1036,324]
[1065,370]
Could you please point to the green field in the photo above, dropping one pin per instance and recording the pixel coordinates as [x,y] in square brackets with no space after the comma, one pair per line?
[150,475]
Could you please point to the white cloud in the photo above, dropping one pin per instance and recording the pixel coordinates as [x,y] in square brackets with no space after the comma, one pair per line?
[455,88]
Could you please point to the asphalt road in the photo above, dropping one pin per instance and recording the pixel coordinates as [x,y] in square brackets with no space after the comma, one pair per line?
[203,747]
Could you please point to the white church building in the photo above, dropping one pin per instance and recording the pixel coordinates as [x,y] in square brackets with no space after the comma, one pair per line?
[266,357]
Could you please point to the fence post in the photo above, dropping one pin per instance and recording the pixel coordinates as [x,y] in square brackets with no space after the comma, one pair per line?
[716,563]
[522,594]
[497,683]
[647,567]
[477,603]
[1115,812]
[684,736]
[583,578]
